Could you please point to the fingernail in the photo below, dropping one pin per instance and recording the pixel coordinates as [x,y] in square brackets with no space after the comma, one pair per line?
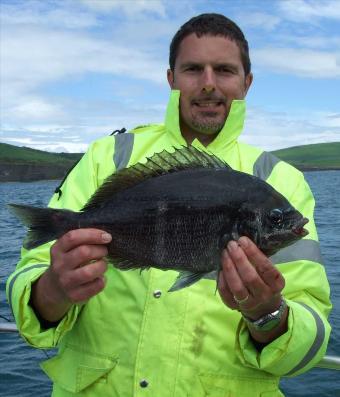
[243,242]
[106,237]
[232,246]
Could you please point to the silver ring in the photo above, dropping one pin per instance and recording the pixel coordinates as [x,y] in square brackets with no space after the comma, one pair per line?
[240,301]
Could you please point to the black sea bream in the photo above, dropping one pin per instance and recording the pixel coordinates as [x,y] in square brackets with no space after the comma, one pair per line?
[177,211]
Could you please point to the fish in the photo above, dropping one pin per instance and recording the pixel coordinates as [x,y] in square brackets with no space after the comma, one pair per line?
[176,211]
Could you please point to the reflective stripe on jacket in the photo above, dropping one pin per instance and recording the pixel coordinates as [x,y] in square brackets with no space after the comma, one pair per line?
[136,339]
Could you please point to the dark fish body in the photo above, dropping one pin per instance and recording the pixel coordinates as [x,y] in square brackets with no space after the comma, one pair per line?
[175,212]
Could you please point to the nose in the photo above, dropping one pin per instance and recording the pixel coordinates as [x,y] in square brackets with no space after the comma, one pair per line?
[208,80]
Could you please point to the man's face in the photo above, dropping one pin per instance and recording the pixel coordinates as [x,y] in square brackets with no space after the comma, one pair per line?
[209,73]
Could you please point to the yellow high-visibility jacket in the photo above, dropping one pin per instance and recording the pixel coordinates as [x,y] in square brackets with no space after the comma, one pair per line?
[136,339]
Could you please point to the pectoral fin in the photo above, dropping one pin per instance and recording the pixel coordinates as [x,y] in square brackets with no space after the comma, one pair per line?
[185,279]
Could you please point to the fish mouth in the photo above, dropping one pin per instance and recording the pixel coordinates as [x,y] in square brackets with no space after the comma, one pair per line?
[299,229]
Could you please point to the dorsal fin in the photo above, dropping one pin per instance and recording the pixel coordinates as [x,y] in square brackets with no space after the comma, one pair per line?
[183,158]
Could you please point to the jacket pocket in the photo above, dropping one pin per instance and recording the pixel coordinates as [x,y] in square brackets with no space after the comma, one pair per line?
[75,370]
[234,386]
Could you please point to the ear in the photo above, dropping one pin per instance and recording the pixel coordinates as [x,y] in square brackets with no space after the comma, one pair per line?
[171,78]
[248,81]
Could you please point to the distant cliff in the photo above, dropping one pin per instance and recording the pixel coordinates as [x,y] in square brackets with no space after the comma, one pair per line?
[25,164]
[29,172]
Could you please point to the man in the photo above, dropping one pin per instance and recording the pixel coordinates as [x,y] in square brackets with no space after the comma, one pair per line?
[121,333]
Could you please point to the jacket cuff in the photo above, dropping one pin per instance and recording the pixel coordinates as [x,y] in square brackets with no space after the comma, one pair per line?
[294,352]
[29,326]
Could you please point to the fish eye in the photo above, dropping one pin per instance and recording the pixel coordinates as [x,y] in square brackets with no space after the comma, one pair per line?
[276,216]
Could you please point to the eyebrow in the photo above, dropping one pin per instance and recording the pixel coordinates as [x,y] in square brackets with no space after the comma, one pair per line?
[200,64]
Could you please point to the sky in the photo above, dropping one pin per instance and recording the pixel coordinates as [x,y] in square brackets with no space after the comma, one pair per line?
[72,71]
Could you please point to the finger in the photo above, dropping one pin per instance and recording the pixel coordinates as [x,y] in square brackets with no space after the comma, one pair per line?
[87,291]
[83,254]
[274,279]
[225,294]
[255,255]
[75,238]
[265,268]
[246,271]
[86,274]
[232,278]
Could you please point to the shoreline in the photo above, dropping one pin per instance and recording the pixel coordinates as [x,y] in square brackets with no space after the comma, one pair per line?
[28,178]
[32,172]
[303,169]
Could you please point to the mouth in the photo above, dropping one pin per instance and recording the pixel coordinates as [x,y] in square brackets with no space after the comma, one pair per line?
[299,229]
[208,104]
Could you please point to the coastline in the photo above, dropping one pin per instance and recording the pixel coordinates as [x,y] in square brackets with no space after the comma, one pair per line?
[303,169]
[34,172]
[31,172]
[24,164]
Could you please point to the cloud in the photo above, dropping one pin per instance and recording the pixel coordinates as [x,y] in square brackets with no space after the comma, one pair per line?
[304,11]
[36,53]
[310,41]
[37,46]
[38,13]
[73,132]
[276,130]
[260,20]
[113,55]
[300,62]
[128,7]
[329,120]
[60,146]
[35,108]
[47,137]
[33,57]
[263,128]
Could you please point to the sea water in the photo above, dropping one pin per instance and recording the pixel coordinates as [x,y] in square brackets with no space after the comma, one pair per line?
[20,374]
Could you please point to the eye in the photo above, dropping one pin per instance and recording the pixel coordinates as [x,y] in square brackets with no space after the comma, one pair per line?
[223,69]
[276,216]
[193,68]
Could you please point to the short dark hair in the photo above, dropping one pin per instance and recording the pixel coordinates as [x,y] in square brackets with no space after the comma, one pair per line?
[214,25]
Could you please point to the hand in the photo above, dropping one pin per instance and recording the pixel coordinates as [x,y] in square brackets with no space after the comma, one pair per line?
[75,275]
[249,281]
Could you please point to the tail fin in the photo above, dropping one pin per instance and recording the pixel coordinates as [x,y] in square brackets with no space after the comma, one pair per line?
[45,224]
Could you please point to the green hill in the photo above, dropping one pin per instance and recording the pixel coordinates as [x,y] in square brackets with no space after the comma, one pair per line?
[26,164]
[15,154]
[320,156]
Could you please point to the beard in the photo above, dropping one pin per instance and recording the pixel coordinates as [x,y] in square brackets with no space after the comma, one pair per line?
[207,125]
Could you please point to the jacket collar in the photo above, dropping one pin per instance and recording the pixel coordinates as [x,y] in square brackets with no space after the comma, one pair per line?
[227,136]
